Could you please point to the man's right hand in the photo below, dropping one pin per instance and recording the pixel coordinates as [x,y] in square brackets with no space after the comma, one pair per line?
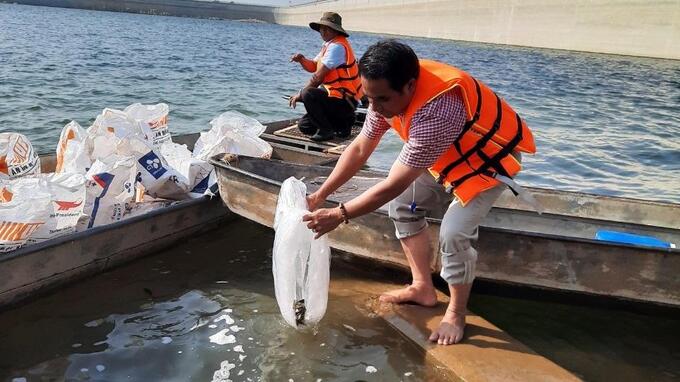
[297,57]
[314,201]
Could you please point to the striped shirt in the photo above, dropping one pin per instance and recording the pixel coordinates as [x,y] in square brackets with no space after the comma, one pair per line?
[434,128]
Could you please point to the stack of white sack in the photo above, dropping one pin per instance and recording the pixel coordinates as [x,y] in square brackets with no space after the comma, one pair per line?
[125,164]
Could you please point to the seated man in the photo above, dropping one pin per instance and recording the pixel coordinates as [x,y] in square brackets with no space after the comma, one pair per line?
[330,109]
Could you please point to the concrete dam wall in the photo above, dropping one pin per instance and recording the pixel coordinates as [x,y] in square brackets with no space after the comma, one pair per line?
[648,28]
[634,27]
[182,8]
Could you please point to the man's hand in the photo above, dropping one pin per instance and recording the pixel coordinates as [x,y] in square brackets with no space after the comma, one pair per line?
[293,100]
[323,221]
[297,57]
[314,201]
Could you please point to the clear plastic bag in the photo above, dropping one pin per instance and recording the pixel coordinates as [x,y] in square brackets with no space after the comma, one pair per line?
[234,133]
[301,265]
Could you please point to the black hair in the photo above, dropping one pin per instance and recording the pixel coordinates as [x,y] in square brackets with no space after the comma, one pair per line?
[389,59]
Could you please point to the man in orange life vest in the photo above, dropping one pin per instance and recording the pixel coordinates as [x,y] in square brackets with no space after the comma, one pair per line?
[461,142]
[330,109]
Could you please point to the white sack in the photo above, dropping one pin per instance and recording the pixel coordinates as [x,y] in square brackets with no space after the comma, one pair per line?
[155,117]
[74,150]
[17,157]
[234,133]
[110,188]
[199,174]
[24,208]
[110,127]
[158,178]
[67,196]
[301,265]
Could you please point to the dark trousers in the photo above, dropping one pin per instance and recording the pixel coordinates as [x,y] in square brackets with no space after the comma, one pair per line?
[325,114]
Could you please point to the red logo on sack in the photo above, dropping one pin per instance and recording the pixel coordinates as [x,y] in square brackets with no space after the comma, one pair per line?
[64,205]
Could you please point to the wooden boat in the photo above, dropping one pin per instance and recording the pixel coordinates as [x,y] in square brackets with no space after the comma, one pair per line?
[555,250]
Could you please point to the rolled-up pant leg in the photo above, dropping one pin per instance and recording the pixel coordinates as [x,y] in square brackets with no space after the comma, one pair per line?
[459,226]
[429,199]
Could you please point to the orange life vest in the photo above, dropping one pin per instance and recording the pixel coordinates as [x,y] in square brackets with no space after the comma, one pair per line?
[344,80]
[493,130]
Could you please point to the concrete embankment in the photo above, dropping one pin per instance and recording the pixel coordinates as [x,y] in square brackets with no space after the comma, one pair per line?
[183,8]
[649,28]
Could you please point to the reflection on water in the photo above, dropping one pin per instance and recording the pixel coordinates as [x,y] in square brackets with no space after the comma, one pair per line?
[204,311]
[604,124]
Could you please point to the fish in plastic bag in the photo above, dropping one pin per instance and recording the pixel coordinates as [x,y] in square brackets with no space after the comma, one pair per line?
[301,264]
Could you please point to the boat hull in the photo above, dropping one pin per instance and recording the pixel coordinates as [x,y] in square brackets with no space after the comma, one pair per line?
[506,255]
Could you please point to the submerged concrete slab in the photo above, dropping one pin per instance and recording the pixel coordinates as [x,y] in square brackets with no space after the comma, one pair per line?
[486,354]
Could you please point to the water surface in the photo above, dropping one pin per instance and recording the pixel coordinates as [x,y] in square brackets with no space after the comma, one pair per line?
[153,320]
[604,124]
[204,306]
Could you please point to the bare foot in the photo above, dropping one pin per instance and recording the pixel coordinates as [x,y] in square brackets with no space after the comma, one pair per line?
[451,329]
[419,293]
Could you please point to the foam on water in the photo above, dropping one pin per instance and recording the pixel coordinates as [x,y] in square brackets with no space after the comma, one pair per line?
[222,338]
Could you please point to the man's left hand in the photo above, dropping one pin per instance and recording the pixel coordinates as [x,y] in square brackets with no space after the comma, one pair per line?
[293,100]
[323,220]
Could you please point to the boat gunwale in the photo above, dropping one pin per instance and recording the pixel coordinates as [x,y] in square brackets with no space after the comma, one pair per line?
[219,163]
[31,248]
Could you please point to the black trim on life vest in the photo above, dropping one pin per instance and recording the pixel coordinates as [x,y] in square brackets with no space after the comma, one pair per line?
[347,66]
[481,142]
[495,161]
[345,90]
[475,117]
[342,79]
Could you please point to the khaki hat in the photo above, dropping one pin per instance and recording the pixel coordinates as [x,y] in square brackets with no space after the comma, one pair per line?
[331,20]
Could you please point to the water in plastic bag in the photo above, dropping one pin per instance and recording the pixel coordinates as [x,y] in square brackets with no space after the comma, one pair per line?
[301,265]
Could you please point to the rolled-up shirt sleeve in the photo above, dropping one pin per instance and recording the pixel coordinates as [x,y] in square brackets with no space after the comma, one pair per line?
[434,128]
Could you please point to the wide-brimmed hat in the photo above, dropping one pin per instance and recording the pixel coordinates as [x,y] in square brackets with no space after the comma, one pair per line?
[331,20]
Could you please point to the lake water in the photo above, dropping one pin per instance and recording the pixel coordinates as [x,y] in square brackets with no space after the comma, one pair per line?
[188,312]
[156,319]
[604,124]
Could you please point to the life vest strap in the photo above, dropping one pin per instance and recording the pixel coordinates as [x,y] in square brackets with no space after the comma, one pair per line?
[347,66]
[481,142]
[520,191]
[340,78]
[495,161]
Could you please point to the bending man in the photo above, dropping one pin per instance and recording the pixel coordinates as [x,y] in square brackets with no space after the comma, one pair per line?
[461,141]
